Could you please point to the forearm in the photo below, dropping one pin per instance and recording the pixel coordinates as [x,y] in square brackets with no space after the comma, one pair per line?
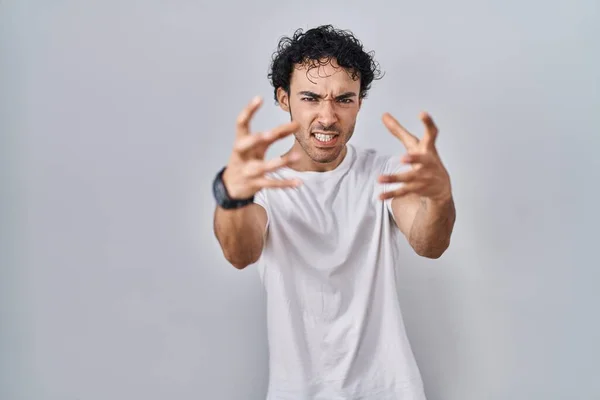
[240,234]
[432,227]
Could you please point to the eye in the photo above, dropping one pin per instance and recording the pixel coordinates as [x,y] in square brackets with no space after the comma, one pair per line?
[345,101]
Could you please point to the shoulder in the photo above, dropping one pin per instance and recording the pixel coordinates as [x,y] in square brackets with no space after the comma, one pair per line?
[372,160]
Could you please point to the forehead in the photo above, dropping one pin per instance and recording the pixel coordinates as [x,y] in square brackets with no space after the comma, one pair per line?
[323,76]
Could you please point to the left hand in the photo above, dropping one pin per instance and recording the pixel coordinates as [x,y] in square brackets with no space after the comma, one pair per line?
[428,177]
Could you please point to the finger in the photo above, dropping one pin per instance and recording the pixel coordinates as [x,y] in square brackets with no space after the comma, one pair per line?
[243,119]
[276,134]
[404,177]
[416,158]
[398,130]
[408,188]
[277,183]
[258,168]
[247,142]
[279,162]
[281,131]
[431,131]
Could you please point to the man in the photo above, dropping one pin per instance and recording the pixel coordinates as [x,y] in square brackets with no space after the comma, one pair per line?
[324,220]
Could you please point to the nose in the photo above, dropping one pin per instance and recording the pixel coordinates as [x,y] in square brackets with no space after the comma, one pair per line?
[327,116]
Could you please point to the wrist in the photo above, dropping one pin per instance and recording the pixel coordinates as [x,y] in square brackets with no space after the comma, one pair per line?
[233,192]
[441,201]
[222,195]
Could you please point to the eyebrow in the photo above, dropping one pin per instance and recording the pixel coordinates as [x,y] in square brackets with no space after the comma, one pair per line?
[318,96]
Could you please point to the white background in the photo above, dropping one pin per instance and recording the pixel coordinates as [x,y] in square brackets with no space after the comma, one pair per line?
[115,116]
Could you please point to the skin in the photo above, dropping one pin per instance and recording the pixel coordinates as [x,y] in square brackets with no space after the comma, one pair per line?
[322,99]
[240,232]
[325,99]
[423,207]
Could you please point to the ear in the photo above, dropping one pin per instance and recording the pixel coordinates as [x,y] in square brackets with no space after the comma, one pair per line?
[283,98]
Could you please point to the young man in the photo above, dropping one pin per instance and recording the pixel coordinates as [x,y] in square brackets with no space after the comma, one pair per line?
[324,220]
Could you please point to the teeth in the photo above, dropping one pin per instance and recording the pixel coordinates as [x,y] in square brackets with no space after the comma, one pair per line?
[323,138]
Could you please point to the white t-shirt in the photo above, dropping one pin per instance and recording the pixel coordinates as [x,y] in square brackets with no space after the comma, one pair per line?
[335,328]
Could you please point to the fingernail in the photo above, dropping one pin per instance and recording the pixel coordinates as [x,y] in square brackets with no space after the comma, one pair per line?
[256,100]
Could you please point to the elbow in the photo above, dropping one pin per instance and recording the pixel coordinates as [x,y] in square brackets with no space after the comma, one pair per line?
[434,255]
[240,263]
[432,252]
[240,257]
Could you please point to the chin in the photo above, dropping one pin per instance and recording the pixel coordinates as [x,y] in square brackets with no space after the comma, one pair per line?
[327,156]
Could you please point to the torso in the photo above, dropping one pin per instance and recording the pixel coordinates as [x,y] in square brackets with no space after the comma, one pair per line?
[329,270]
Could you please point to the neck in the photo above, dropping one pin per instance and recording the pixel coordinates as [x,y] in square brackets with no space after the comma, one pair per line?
[307,164]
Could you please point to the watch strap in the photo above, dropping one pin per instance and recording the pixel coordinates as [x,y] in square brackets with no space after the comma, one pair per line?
[222,196]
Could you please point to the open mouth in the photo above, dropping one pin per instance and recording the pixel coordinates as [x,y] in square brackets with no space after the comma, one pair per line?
[325,139]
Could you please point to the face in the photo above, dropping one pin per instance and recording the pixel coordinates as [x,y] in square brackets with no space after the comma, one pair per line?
[324,100]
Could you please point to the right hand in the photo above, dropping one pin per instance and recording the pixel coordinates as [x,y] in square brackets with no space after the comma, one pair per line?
[246,169]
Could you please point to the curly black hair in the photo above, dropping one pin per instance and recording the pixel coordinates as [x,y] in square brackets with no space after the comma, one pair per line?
[318,46]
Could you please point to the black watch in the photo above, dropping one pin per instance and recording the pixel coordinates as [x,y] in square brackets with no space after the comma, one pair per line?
[222,196]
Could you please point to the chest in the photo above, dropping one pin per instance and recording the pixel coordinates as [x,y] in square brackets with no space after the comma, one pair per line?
[329,213]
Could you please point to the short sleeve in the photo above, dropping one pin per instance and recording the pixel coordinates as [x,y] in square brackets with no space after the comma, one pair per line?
[392,166]
[260,198]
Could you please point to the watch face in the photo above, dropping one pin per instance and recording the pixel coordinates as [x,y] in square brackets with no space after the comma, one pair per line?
[220,192]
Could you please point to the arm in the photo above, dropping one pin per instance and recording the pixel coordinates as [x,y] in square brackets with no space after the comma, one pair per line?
[241,233]
[423,205]
[426,224]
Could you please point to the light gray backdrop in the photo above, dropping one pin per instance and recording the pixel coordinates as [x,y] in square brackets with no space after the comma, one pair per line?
[115,116]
